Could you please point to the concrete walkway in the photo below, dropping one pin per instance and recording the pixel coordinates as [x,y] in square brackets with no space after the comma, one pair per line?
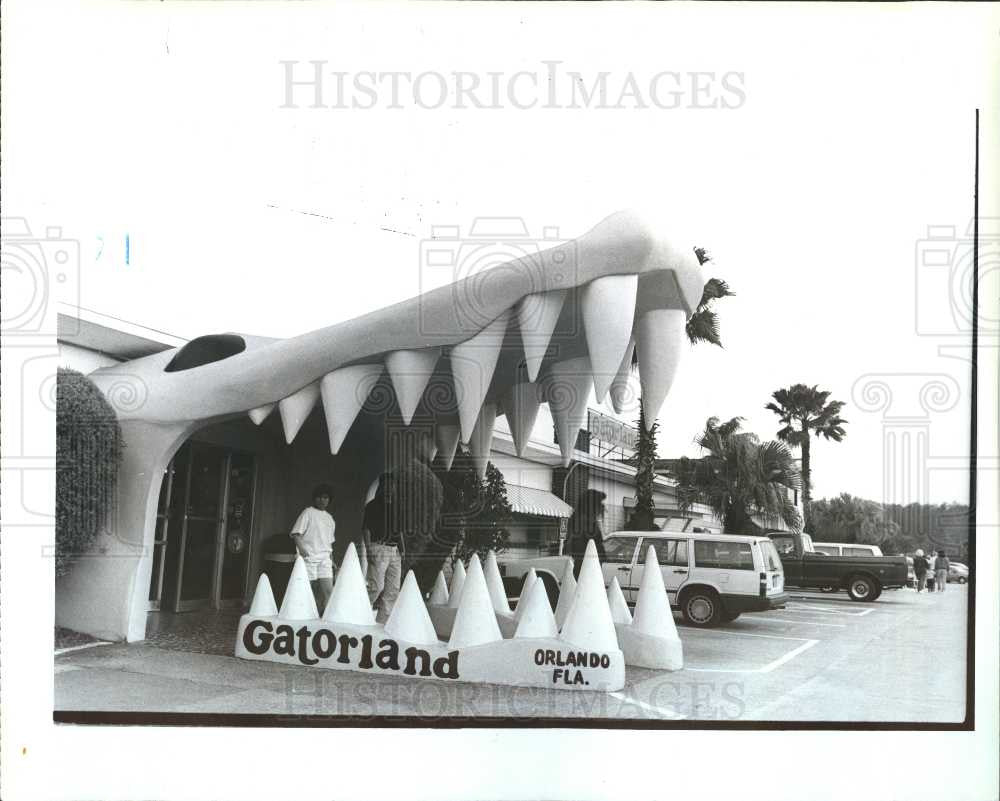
[823,658]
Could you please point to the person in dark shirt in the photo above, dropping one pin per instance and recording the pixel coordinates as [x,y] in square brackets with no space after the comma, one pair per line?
[585,525]
[382,545]
[941,565]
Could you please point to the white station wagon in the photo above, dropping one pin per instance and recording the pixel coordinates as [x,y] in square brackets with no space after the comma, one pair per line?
[710,578]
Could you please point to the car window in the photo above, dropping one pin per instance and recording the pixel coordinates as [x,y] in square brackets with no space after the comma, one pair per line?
[857,552]
[829,550]
[723,555]
[771,559]
[620,549]
[785,545]
[668,552]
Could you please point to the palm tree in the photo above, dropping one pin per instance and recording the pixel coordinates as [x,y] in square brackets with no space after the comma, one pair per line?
[808,407]
[702,326]
[746,482]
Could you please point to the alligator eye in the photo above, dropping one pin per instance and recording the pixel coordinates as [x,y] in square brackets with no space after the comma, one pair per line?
[205,350]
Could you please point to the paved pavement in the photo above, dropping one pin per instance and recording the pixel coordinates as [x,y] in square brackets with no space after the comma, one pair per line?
[823,658]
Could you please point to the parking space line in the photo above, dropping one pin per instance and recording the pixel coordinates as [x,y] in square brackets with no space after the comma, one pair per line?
[747,634]
[659,710]
[770,666]
[788,657]
[800,622]
[822,611]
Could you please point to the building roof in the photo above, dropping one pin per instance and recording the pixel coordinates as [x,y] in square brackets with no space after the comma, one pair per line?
[113,336]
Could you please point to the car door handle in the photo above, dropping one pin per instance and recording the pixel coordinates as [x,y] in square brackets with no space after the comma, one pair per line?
[680,571]
[625,567]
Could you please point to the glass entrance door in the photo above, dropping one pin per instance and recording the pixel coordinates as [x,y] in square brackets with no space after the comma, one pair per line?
[202,544]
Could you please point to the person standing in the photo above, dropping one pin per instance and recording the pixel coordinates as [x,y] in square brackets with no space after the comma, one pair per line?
[313,535]
[920,568]
[941,565]
[416,510]
[382,544]
[584,525]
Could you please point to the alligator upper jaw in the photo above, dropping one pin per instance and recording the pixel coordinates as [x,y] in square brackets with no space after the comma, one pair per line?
[541,329]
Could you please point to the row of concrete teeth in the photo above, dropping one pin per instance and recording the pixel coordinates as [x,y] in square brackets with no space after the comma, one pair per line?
[613,330]
[585,615]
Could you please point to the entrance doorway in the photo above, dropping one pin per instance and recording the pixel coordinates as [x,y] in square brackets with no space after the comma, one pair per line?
[201,550]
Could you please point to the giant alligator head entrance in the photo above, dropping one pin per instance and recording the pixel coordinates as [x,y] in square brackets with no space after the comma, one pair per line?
[539,329]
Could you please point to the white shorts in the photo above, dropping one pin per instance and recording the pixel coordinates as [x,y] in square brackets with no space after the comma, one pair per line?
[319,568]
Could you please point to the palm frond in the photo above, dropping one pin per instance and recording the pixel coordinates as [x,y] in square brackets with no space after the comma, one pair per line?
[703,326]
[714,288]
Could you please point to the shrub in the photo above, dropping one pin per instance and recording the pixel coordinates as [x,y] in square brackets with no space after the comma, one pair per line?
[476,511]
[88,453]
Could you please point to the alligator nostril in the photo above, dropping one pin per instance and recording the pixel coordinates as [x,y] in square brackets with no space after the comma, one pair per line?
[205,350]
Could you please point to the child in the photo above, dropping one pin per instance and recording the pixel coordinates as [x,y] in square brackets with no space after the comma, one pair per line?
[313,535]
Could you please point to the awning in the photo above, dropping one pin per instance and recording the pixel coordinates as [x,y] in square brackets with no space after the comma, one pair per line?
[531,501]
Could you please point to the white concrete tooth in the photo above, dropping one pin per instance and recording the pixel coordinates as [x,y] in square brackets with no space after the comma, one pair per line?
[567,591]
[482,438]
[616,600]
[659,340]
[296,408]
[410,371]
[619,390]
[446,440]
[494,583]
[263,604]
[409,620]
[457,583]
[475,621]
[589,622]
[520,406]
[608,307]
[344,392]
[536,618]
[529,579]
[261,413]
[434,452]
[567,390]
[349,602]
[439,595]
[473,363]
[299,602]
[652,608]
[537,316]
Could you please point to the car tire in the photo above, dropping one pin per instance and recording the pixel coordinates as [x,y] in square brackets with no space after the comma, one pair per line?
[961,579]
[729,617]
[702,608]
[878,592]
[862,588]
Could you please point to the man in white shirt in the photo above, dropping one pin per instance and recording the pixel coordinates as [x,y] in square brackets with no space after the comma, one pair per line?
[313,535]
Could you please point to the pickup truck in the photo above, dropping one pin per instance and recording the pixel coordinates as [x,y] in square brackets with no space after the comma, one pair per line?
[864,577]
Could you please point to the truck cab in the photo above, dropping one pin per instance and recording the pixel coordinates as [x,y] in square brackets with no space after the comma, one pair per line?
[863,577]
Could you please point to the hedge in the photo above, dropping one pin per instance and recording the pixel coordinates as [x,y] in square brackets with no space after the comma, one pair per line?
[88,454]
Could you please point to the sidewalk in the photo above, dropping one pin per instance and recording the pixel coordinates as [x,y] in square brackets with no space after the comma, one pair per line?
[902,659]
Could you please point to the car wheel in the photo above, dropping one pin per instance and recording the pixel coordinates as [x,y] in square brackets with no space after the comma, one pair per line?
[878,592]
[702,608]
[962,579]
[862,588]
[729,617]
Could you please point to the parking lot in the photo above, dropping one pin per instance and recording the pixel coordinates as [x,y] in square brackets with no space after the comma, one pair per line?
[822,658]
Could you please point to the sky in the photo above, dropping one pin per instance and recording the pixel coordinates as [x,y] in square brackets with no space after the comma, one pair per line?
[813,190]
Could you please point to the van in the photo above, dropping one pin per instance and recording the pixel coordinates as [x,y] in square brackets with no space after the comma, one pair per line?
[710,578]
[847,549]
